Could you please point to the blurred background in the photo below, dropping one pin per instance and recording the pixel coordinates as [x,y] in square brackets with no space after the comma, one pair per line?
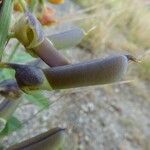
[105,117]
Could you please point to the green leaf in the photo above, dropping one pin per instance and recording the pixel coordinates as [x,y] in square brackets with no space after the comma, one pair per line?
[32,5]
[22,57]
[6,74]
[12,124]
[5,19]
[38,99]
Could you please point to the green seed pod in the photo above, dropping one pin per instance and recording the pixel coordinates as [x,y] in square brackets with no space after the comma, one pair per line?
[50,140]
[94,72]
[49,54]
[29,32]
[89,73]
[68,38]
[29,78]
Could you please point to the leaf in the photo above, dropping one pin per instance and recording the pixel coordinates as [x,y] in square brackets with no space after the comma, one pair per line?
[38,99]
[5,19]
[22,57]
[32,5]
[6,74]
[12,124]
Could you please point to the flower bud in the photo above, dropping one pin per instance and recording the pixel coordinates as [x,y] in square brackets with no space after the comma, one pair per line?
[47,16]
[56,1]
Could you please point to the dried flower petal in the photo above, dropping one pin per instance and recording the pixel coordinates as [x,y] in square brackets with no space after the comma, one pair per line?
[56,1]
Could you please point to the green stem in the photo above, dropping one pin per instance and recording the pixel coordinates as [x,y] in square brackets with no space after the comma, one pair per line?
[10,36]
[23,5]
[42,2]
[32,5]
[13,51]
[5,20]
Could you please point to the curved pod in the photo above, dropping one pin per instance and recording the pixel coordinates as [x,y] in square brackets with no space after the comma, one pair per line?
[50,140]
[29,32]
[93,72]
[49,54]
[67,39]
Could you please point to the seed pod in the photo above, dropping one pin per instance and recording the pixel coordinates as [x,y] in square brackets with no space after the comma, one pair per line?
[50,140]
[29,32]
[30,78]
[12,93]
[49,54]
[93,72]
[68,38]
[38,63]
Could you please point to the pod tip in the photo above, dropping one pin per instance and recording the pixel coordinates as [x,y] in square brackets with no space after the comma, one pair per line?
[132,58]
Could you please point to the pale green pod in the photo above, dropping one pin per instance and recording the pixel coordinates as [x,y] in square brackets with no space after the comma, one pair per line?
[50,140]
[108,70]
[94,72]
[29,32]
[38,63]
[67,39]
[30,78]
[50,55]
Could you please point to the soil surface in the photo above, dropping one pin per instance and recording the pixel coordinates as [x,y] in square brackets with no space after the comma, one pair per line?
[105,117]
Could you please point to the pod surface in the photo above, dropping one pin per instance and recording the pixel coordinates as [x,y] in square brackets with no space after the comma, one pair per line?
[49,54]
[67,39]
[94,72]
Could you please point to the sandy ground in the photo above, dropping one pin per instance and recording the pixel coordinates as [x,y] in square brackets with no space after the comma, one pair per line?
[106,117]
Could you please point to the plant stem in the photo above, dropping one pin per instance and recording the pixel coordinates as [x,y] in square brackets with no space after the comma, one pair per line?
[23,5]
[5,19]
[41,1]
[13,51]
[32,5]
[10,35]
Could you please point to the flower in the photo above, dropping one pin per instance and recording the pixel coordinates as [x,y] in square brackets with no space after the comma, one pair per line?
[47,16]
[17,7]
[56,1]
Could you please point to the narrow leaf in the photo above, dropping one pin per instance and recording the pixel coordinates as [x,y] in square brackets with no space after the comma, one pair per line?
[5,19]
[12,124]
[38,99]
